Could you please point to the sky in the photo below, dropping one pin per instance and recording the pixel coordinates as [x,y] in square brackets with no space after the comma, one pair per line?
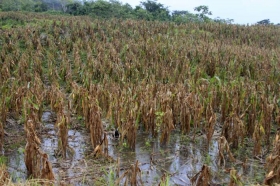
[241,11]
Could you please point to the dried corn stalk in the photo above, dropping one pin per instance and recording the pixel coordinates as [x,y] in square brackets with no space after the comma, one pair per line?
[278,120]
[4,175]
[268,113]
[102,148]
[105,145]
[31,148]
[132,176]
[167,125]
[95,124]
[47,172]
[132,132]
[36,161]
[234,130]
[164,180]
[1,136]
[62,123]
[224,148]
[235,179]
[258,137]
[273,163]
[210,127]
[203,177]
[185,117]
[129,131]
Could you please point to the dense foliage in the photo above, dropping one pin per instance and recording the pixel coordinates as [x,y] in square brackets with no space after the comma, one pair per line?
[146,10]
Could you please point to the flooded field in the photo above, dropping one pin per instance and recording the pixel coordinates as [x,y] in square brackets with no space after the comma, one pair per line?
[85,101]
[180,159]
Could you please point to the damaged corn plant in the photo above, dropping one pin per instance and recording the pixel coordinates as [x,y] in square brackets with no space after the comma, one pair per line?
[121,79]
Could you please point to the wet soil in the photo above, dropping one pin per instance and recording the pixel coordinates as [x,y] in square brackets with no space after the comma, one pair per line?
[180,159]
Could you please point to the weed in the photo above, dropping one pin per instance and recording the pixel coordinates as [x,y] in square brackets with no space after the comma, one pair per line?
[3,160]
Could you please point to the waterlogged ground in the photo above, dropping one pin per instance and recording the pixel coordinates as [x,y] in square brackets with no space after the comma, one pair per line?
[180,159]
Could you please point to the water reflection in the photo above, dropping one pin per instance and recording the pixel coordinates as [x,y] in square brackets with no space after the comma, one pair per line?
[181,158]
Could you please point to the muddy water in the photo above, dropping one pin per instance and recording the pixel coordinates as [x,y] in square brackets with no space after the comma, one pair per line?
[16,166]
[181,159]
[73,166]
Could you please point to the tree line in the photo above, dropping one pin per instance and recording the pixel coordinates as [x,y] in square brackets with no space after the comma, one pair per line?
[149,10]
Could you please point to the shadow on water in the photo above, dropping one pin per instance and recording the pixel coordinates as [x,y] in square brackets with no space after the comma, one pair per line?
[181,158]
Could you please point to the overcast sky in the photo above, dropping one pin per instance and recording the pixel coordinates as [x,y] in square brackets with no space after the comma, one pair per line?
[242,11]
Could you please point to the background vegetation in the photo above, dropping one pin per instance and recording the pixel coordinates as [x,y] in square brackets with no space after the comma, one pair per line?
[146,10]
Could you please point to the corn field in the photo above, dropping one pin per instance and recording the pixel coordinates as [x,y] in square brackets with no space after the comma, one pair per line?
[213,81]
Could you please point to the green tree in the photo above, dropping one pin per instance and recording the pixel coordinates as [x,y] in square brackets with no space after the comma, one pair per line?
[203,11]
[158,11]
[180,17]
[141,13]
[101,8]
[11,5]
[27,5]
[40,7]
[23,5]
[264,22]
[109,9]
[53,4]
[75,9]
[225,21]
[127,11]
[64,4]
[120,10]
